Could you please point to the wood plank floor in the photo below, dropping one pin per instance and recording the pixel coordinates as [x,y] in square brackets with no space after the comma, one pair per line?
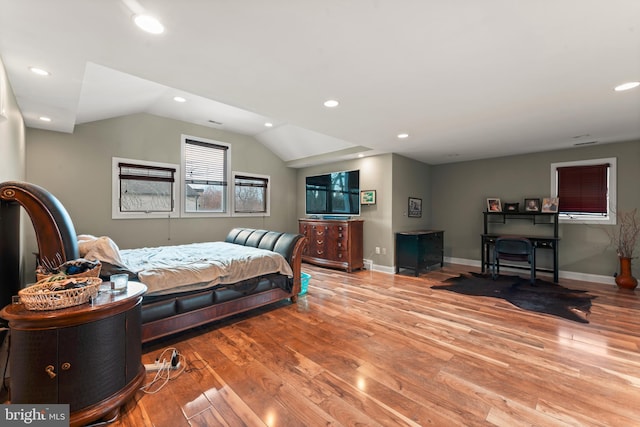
[374,349]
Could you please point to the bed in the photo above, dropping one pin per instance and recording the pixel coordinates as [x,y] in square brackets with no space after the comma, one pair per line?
[188,285]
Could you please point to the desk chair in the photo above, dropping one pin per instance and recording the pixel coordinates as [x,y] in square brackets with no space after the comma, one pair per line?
[517,249]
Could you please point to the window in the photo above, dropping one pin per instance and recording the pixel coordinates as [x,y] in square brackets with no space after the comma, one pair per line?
[206,177]
[142,189]
[251,194]
[586,189]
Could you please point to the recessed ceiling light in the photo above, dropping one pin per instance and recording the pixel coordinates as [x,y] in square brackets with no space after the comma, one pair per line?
[149,24]
[626,86]
[331,103]
[403,135]
[39,71]
[179,99]
[45,119]
[268,124]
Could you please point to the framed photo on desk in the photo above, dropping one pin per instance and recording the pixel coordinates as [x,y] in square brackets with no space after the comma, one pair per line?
[550,204]
[532,205]
[493,205]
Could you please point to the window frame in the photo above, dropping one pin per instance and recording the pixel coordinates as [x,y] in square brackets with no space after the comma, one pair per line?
[203,214]
[115,190]
[610,218]
[267,212]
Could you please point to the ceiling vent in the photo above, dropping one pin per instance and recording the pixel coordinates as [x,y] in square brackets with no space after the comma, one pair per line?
[215,123]
[577,144]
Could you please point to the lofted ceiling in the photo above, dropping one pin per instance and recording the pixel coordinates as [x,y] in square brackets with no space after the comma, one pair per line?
[465,79]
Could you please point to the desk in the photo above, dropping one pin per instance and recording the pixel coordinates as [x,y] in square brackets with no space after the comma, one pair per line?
[538,242]
[536,219]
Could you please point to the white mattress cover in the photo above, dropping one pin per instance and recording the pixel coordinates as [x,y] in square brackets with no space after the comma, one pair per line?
[167,269]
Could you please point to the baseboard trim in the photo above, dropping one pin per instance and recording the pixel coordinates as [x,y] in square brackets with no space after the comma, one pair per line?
[571,275]
[369,265]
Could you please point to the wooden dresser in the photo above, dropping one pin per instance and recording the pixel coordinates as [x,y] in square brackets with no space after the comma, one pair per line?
[333,243]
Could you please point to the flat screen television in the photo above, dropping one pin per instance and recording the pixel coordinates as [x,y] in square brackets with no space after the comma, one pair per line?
[333,194]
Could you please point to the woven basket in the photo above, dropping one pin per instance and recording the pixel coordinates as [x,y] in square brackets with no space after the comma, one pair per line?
[40,296]
[94,272]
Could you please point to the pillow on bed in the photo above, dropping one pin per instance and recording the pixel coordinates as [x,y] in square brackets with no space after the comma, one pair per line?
[101,248]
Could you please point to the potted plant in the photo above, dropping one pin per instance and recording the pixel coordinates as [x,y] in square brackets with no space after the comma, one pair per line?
[624,238]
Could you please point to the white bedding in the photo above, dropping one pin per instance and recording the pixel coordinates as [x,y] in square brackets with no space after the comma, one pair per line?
[168,269]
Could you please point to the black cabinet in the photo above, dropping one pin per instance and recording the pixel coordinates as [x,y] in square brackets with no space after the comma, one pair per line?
[79,365]
[419,250]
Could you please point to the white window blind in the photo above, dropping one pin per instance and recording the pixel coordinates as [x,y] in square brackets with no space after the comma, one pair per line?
[205,163]
[206,177]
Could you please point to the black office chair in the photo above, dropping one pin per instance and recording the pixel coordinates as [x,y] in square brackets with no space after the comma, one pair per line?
[517,249]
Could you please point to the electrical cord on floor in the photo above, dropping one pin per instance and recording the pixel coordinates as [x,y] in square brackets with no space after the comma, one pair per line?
[105,422]
[171,364]
[192,367]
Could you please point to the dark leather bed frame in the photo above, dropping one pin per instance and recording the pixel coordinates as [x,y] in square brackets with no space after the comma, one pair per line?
[161,316]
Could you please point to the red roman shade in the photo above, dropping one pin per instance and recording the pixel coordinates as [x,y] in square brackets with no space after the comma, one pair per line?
[583,189]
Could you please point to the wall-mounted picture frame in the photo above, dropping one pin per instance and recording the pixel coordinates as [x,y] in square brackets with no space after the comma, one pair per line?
[493,205]
[532,205]
[511,207]
[368,197]
[415,208]
[550,204]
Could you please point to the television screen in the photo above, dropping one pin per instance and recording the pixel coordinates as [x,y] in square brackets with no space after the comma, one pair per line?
[336,193]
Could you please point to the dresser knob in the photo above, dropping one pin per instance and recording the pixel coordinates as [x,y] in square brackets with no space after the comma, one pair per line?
[50,371]
[66,366]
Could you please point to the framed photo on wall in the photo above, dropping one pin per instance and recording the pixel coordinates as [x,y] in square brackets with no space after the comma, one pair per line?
[368,197]
[415,208]
[493,205]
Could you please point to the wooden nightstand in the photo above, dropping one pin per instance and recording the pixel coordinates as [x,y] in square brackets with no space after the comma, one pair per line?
[88,356]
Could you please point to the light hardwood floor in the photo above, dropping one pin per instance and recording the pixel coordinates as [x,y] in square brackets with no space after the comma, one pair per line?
[374,349]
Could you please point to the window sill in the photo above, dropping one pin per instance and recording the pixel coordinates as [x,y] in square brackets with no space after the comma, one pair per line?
[568,219]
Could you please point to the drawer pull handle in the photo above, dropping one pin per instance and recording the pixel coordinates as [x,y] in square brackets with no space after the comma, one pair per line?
[320,252]
[319,242]
[50,370]
[66,366]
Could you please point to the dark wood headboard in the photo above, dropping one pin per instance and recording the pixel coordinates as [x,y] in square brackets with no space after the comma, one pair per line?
[57,240]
